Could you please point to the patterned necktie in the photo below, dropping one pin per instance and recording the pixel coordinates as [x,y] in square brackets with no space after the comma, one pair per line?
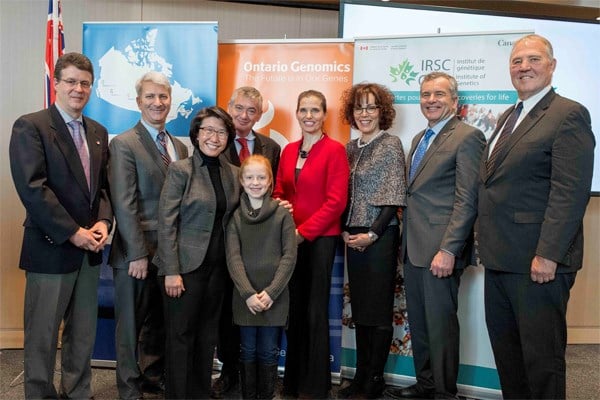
[80,145]
[244,151]
[161,140]
[509,126]
[419,153]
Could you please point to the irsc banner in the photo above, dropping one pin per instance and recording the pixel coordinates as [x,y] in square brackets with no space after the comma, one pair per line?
[479,62]
[281,70]
[185,52]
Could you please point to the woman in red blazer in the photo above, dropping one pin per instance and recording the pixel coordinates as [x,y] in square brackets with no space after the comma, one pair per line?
[313,177]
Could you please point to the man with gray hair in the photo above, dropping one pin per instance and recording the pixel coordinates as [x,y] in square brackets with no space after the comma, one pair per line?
[139,158]
[535,179]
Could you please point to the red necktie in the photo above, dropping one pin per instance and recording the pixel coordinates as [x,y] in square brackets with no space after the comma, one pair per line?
[244,151]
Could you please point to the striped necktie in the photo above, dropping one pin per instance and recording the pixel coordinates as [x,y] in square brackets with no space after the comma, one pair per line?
[509,126]
[161,140]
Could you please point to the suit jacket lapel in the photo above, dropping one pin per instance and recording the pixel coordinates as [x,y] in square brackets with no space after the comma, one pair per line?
[67,147]
[258,145]
[180,148]
[150,145]
[439,139]
[94,143]
[520,131]
[529,121]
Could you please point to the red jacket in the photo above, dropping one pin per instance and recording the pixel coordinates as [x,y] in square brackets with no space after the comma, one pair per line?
[320,194]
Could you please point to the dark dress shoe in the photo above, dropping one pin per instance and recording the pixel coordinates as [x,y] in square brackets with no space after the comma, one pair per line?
[353,390]
[410,392]
[374,387]
[223,385]
[152,387]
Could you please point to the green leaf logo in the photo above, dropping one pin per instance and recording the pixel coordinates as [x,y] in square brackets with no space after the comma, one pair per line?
[403,72]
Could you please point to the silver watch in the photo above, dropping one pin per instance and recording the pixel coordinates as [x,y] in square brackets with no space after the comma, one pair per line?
[373,236]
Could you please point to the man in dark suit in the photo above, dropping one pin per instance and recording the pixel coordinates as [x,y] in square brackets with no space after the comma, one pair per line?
[535,186]
[58,162]
[437,235]
[137,171]
[245,107]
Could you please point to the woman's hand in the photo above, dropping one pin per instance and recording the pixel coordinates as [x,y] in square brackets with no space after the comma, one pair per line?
[358,242]
[254,304]
[299,238]
[286,204]
[174,285]
[265,299]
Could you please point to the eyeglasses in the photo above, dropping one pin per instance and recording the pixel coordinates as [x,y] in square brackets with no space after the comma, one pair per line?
[73,83]
[250,111]
[370,109]
[209,132]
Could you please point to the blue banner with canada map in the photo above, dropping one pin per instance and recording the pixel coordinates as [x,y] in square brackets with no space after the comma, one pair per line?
[121,52]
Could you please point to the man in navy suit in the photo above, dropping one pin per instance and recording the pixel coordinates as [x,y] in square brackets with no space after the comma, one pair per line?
[437,238]
[58,162]
[245,107]
[534,188]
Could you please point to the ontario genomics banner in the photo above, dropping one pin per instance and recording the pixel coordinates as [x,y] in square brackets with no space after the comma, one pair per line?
[121,52]
[281,70]
[479,62]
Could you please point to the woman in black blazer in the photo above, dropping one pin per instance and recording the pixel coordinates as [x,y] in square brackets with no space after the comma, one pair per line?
[197,199]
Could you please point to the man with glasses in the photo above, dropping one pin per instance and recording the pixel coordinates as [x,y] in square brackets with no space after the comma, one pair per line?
[245,107]
[139,159]
[437,239]
[58,160]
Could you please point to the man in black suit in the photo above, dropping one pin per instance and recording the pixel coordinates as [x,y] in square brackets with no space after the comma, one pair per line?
[245,107]
[437,238]
[137,171]
[534,188]
[58,162]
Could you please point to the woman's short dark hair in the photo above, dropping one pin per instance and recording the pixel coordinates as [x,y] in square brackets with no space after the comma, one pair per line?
[384,98]
[207,112]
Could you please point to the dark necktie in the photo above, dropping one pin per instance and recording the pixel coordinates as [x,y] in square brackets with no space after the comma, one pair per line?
[80,145]
[161,140]
[419,153]
[509,126]
[244,151]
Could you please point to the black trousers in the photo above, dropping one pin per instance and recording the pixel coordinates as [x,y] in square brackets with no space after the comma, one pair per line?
[192,323]
[307,366]
[432,305]
[228,348]
[527,326]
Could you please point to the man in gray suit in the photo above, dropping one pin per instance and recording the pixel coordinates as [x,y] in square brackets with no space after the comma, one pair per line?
[245,107]
[138,165]
[438,235]
[534,188]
